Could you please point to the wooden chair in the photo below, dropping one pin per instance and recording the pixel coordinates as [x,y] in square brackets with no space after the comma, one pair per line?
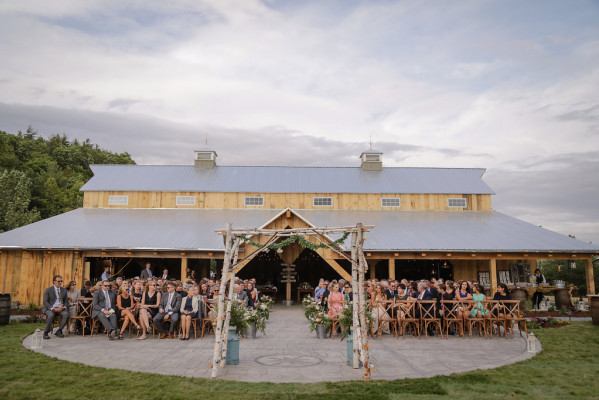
[493,318]
[386,314]
[450,316]
[210,314]
[84,314]
[407,316]
[478,319]
[512,308]
[428,316]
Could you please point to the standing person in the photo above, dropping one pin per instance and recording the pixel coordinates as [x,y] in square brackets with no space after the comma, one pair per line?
[103,307]
[147,273]
[165,276]
[73,294]
[106,274]
[55,302]
[537,297]
[170,306]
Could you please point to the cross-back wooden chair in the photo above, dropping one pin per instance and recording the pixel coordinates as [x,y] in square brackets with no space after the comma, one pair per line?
[512,309]
[407,317]
[450,317]
[477,318]
[84,314]
[386,314]
[428,316]
[496,317]
[210,314]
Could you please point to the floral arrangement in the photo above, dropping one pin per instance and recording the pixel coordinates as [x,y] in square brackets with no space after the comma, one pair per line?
[346,319]
[306,301]
[320,318]
[267,300]
[238,319]
[253,317]
[312,309]
[549,322]
[263,309]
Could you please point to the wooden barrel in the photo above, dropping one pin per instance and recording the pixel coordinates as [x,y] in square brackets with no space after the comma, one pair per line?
[562,298]
[519,294]
[4,309]
[594,305]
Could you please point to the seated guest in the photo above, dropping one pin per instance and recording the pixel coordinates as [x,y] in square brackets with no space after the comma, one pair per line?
[335,301]
[73,294]
[503,293]
[137,293]
[190,308]
[149,307]
[55,304]
[462,294]
[165,276]
[126,307]
[252,294]
[392,290]
[240,295]
[119,281]
[170,306]
[449,291]
[86,291]
[348,296]
[103,307]
[401,292]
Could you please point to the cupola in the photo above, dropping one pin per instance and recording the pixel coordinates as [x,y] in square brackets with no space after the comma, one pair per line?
[372,160]
[204,159]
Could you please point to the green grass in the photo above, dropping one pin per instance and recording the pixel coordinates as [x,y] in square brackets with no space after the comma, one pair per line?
[567,367]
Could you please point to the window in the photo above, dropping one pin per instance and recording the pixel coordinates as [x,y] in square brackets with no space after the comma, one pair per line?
[118,200]
[390,202]
[372,157]
[322,201]
[186,200]
[254,201]
[456,203]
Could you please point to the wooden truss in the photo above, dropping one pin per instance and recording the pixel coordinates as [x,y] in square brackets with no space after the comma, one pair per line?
[233,238]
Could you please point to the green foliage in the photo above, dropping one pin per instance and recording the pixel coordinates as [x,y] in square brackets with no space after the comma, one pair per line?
[45,175]
[15,197]
[562,270]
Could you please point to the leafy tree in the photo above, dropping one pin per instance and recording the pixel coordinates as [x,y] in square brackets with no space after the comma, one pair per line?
[14,200]
[54,171]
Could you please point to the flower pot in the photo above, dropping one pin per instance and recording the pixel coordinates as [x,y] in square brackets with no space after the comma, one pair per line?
[250,331]
[321,332]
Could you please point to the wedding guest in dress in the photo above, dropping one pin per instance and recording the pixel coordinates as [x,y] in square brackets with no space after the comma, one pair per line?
[379,310]
[149,308]
[73,295]
[463,294]
[126,306]
[335,301]
[190,308]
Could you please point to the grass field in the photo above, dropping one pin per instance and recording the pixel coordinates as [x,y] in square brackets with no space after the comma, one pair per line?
[568,367]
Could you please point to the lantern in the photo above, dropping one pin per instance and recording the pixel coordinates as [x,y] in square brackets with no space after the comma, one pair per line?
[531,343]
[37,339]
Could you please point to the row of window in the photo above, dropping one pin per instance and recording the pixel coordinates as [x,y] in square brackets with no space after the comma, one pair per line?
[258,201]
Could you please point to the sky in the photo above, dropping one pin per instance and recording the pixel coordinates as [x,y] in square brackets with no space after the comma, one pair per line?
[510,86]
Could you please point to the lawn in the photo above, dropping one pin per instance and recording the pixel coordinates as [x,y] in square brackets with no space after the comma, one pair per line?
[568,367]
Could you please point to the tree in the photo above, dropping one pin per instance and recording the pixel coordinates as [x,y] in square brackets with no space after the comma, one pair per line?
[14,200]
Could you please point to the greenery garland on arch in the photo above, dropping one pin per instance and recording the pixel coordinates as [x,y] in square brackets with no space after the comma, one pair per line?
[301,240]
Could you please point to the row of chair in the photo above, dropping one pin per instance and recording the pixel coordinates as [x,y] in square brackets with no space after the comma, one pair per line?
[429,315]
[84,317]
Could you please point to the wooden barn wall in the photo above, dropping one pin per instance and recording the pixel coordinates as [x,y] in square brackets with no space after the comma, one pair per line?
[26,274]
[343,201]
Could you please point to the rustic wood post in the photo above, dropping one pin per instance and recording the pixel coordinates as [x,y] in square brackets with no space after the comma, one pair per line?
[362,303]
[223,356]
[355,297]
[221,303]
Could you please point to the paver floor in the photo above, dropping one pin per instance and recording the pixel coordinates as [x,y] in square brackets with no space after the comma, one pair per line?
[291,353]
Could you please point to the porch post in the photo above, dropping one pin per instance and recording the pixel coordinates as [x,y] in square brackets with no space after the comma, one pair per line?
[493,273]
[372,265]
[392,268]
[183,268]
[590,275]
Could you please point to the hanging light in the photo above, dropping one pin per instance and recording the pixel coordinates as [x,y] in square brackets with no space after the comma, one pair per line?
[444,264]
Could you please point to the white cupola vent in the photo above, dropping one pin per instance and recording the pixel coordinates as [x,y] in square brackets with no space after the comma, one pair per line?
[204,159]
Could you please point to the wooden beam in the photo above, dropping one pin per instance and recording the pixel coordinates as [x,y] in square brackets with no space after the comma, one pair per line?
[590,276]
[183,268]
[335,265]
[372,266]
[392,268]
[493,273]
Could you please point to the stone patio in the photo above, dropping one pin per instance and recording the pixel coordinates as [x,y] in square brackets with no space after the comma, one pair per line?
[291,353]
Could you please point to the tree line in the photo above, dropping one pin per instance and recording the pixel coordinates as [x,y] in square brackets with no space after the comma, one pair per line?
[40,178]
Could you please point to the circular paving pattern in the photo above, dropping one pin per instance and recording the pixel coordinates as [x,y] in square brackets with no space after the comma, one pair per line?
[288,360]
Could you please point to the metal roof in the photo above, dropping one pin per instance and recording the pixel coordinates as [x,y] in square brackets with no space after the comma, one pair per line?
[187,178]
[174,229]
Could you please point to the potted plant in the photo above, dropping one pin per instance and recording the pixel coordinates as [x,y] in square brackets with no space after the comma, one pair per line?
[238,317]
[320,322]
[254,321]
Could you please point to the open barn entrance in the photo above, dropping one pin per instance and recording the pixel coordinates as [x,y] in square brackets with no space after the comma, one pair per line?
[129,267]
[413,270]
[310,267]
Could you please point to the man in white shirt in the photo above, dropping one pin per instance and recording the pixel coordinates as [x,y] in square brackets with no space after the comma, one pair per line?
[106,274]
[55,301]
[170,307]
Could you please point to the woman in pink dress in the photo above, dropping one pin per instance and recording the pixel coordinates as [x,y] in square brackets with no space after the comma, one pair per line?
[335,301]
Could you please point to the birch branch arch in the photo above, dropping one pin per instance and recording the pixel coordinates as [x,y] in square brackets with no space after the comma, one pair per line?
[233,239]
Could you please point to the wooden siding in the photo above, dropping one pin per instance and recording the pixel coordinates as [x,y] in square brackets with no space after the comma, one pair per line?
[26,274]
[341,201]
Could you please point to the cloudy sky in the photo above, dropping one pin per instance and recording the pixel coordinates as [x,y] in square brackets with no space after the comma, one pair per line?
[511,86]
